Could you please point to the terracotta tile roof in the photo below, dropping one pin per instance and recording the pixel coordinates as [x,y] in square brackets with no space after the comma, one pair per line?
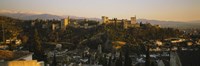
[12,55]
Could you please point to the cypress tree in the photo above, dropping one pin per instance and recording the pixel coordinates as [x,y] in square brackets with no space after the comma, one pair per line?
[147,63]
[128,61]
[119,61]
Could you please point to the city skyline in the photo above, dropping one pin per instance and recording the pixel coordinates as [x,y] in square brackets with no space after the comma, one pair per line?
[168,10]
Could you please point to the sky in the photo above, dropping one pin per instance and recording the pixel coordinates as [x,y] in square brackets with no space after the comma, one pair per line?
[168,10]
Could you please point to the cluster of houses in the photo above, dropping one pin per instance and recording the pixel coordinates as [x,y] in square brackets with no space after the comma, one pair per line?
[160,56]
[18,58]
[175,44]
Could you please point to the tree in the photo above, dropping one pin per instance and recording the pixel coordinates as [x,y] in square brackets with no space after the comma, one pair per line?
[54,63]
[109,61]
[24,39]
[103,61]
[36,42]
[34,45]
[147,63]
[128,61]
[119,61]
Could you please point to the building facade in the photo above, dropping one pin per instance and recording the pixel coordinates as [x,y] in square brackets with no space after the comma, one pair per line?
[124,22]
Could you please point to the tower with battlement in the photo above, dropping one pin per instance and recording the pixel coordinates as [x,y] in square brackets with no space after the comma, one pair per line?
[123,22]
[64,23]
[105,19]
[133,20]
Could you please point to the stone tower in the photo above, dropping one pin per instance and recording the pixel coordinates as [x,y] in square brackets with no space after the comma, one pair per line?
[125,23]
[105,19]
[133,20]
[64,23]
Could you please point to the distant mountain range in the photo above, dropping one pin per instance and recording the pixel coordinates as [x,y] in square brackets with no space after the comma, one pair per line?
[32,16]
[173,24]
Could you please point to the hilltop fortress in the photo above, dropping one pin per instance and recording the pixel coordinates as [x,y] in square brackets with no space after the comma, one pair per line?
[124,22]
[105,20]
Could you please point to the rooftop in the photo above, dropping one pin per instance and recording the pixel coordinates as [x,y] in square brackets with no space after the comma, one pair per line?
[12,55]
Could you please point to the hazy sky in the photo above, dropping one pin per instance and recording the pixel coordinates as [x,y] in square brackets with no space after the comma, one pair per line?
[173,10]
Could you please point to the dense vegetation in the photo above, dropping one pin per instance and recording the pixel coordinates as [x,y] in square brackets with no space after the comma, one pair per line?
[11,27]
[34,36]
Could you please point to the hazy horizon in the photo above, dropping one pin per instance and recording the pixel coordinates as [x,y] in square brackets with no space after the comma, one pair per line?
[166,10]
